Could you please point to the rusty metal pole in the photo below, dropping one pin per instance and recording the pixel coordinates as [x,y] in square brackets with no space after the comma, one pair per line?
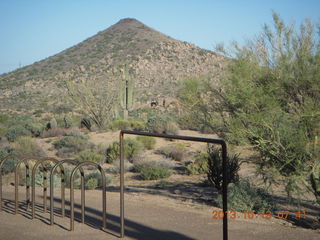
[3,160]
[16,189]
[0,189]
[52,172]
[72,201]
[45,190]
[103,180]
[63,192]
[104,199]
[221,142]
[83,198]
[28,186]
[121,186]
[16,183]
[33,182]
[225,190]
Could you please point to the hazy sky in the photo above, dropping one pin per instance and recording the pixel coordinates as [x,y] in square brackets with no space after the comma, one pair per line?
[33,30]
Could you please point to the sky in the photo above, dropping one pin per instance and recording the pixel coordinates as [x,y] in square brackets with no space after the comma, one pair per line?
[31,30]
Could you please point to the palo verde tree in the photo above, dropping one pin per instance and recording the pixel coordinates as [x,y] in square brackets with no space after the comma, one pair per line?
[269,98]
[94,96]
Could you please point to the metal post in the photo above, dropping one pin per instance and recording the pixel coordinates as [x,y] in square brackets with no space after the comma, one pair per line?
[3,160]
[16,186]
[63,183]
[103,180]
[121,186]
[225,190]
[33,183]
[83,198]
[52,172]
[28,186]
[71,202]
[44,189]
[186,138]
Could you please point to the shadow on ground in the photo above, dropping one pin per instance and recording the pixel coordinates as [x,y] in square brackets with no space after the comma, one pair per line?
[133,229]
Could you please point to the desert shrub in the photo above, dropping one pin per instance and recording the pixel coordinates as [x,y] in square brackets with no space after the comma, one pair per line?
[89,156]
[86,122]
[214,173]
[152,170]
[148,142]
[17,131]
[96,175]
[176,152]
[35,128]
[9,164]
[200,164]
[128,166]
[127,125]
[28,146]
[72,143]
[149,172]
[243,196]
[4,118]
[132,148]
[162,124]
[112,152]
[137,125]
[53,123]
[91,183]
[64,122]
[54,132]
[119,125]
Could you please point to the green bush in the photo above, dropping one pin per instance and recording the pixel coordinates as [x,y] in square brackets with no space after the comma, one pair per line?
[112,152]
[96,175]
[28,146]
[149,172]
[200,164]
[148,142]
[17,131]
[53,123]
[89,156]
[176,152]
[132,148]
[244,197]
[35,128]
[72,143]
[214,173]
[127,125]
[65,122]
[91,183]
[9,165]
[162,124]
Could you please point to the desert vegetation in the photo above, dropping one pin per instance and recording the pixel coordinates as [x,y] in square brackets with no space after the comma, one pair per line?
[266,103]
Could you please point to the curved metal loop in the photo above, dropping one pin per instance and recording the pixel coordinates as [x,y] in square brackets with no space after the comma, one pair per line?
[53,170]
[33,183]
[2,161]
[16,180]
[103,183]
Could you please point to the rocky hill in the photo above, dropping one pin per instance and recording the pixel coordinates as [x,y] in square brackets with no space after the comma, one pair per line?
[156,63]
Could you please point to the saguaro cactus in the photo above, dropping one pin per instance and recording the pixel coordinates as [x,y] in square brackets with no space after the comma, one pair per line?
[126,91]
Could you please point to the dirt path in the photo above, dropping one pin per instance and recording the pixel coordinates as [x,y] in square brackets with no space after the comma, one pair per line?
[155,217]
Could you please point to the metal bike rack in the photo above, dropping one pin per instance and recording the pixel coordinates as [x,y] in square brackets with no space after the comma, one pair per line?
[53,170]
[5,159]
[33,183]
[221,142]
[103,183]
[24,160]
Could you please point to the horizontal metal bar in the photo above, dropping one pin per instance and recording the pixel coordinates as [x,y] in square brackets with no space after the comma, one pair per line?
[178,137]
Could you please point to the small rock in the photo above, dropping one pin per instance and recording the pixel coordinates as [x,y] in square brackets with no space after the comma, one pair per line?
[177,191]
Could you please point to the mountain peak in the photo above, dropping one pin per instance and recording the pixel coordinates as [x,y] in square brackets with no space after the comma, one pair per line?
[128,20]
